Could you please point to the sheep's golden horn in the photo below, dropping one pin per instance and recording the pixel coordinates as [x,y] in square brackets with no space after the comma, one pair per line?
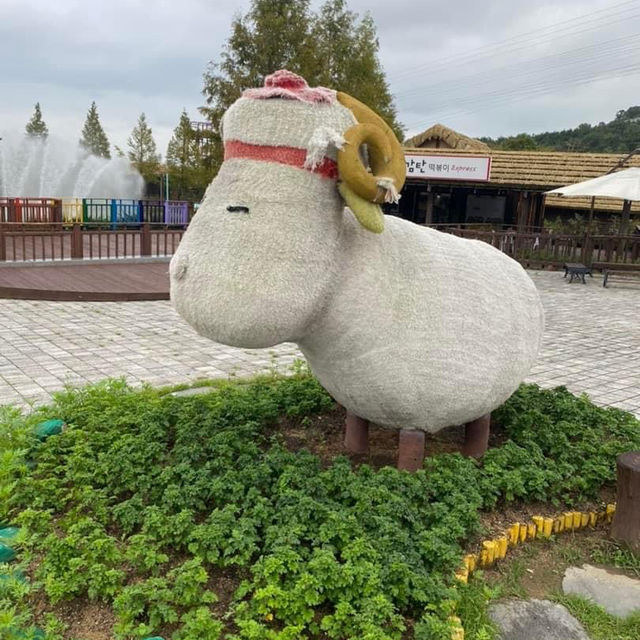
[385,154]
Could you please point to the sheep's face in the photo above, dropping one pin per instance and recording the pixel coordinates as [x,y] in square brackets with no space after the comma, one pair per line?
[255,265]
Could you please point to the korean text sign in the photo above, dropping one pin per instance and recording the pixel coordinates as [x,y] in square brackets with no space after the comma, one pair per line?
[466,168]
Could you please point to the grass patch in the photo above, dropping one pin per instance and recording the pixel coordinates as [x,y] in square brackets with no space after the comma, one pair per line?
[475,598]
[598,624]
[188,517]
[536,569]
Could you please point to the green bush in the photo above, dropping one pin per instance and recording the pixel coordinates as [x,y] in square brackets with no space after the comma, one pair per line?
[145,500]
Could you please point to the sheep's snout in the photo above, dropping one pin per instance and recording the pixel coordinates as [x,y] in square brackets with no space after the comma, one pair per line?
[238,208]
[178,267]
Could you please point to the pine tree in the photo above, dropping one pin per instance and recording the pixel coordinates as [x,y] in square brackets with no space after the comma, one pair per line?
[331,48]
[273,35]
[182,156]
[347,58]
[36,127]
[142,148]
[94,139]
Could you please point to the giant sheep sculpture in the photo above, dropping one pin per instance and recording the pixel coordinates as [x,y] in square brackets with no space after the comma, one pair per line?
[405,326]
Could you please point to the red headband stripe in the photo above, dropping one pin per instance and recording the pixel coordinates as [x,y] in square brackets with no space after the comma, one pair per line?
[291,156]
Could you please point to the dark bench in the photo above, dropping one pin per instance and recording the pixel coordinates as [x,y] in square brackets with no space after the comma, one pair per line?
[618,272]
[620,275]
[577,270]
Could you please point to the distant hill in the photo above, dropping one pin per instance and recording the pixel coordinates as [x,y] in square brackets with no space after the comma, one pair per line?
[621,135]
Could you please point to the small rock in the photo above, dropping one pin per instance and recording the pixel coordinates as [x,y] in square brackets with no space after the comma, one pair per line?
[527,619]
[192,391]
[617,594]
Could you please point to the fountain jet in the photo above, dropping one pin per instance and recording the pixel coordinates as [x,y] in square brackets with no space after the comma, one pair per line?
[55,168]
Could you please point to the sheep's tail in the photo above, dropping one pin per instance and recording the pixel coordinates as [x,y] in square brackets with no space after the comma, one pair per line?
[321,140]
[391,194]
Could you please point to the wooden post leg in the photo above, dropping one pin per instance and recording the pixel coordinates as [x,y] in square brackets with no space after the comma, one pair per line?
[476,437]
[356,434]
[410,450]
[626,520]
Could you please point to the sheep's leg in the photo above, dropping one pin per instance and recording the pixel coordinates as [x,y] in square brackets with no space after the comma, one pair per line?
[410,450]
[356,434]
[476,437]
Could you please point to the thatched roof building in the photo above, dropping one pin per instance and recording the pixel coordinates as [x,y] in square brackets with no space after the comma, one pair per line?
[544,170]
[440,137]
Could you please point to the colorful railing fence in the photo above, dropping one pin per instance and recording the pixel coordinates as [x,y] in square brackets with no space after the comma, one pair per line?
[106,211]
[96,210]
[171,212]
[125,212]
[48,210]
[72,210]
[152,211]
[103,211]
[176,212]
[5,210]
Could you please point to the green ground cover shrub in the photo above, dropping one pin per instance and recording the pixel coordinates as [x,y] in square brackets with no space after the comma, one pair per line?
[147,502]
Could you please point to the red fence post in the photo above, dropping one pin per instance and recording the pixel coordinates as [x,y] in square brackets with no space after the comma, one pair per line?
[145,240]
[57,210]
[76,242]
[17,210]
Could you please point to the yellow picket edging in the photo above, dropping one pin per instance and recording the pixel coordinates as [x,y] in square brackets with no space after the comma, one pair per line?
[519,532]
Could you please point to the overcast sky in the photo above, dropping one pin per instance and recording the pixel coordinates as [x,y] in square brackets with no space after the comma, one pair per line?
[496,67]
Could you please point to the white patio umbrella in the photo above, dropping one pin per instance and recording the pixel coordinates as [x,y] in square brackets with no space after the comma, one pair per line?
[623,185]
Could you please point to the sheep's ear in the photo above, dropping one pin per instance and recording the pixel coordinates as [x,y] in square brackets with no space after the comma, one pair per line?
[368,214]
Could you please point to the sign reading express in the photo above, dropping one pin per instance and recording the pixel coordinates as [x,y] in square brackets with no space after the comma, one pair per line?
[467,168]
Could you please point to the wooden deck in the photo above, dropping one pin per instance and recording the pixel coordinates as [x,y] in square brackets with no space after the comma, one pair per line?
[98,282]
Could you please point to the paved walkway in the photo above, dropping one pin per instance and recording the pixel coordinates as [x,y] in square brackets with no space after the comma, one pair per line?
[592,344]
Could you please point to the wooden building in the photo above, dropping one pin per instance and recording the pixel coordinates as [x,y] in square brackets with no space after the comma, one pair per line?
[455,179]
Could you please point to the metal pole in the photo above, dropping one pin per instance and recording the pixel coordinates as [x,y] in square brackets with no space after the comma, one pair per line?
[166,190]
[626,205]
[626,216]
[622,162]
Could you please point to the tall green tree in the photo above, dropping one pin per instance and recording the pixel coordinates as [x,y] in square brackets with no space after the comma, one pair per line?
[620,135]
[36,127]
[94,139]
[346,58]
[332,47]
[142,148]
[182,158]
[520,142]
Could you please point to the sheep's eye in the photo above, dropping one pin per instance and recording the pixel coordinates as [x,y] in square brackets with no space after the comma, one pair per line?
[237,208]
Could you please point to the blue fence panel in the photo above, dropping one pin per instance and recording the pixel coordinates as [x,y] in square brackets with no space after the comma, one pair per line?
[125,212]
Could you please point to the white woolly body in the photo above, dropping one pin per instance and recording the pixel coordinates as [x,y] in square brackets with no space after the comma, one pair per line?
[424,330]
[410,328]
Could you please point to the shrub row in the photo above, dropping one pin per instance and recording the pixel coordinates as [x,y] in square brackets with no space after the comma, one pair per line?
[148,502]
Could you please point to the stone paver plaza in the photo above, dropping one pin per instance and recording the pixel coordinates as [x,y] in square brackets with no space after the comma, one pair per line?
[591,344]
